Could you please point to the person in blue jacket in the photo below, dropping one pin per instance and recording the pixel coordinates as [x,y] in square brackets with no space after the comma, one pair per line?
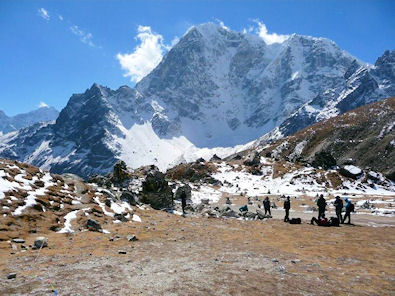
[349,209]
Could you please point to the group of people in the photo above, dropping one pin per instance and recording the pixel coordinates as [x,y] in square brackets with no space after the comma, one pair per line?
[321,204]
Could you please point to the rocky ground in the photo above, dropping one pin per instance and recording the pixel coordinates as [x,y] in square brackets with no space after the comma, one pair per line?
[107,238]
[205,256]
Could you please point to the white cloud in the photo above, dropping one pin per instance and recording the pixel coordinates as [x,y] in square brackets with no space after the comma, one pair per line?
[60,17]
[43,105]
[267,37]
[146,56]
[43,13]
[84,37]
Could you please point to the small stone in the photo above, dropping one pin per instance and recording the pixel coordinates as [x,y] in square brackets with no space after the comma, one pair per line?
[132,238]
[11,276]
[275,260]
[122,252]
[18,240]
[41,242]
[14,247]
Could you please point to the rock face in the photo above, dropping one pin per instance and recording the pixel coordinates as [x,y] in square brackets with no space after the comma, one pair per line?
[215,88]
[156,190]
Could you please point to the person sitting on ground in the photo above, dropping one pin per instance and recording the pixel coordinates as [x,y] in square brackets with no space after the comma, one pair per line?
[324,221]
[266,205]
[349,209]
[339,207]
[287,207]
[243,209]
[321,203]
[321,221]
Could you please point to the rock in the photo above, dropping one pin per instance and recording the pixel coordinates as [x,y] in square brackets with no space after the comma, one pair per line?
[92,225]
[122,252]
[18,240]
[215,158]
[98,179]
[39,183]
[275,260]
[201,159]
[228,201]
[14,247]
[323,159]
[120,173]
[129,197]
[132,238]
[350,171]
[41,242]
[156,190]
[253,159]
[11,275]
[205,201]
[120,217]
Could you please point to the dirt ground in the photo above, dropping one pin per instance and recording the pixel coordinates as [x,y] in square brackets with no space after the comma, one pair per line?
[205,256]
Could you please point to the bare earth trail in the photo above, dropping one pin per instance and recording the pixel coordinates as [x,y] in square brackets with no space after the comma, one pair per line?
[206,256]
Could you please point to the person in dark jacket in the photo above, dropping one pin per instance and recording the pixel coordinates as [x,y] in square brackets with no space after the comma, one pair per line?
[339,207]
[183,197]
[287,207]
[321,203]
[266,205]
[349,209]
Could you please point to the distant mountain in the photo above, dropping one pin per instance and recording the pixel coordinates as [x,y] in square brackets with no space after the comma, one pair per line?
[364,136]
[215,88]
[13,123]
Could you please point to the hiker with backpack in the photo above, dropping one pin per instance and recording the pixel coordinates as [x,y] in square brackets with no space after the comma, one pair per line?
[266,205]
[287,207]
[339,207]
[321,203]
[349,208]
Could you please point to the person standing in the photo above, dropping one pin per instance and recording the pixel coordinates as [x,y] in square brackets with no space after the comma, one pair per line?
[183,201]
[349,209]
[287,207]
[339,207]
[266,205]
[321,203]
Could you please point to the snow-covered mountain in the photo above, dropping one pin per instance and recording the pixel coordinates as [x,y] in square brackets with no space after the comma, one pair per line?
[361,85]
[13,123]
[215,88]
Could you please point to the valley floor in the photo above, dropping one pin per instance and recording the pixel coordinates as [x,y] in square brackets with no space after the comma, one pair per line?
[206,256]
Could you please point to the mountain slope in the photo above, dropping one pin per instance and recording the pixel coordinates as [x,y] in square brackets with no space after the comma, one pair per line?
[364,136]
[42,114]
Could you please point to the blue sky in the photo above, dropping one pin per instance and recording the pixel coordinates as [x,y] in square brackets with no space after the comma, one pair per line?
[52,49]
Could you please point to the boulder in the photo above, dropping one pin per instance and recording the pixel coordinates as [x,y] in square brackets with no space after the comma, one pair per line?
[323,159]
[41,242]
[132,238]
[351,171]
[201,159]
[11,275]
[18,240]
[156,191]
[120,173]
[252,159]
[129,197]
[215,158]
[93,225]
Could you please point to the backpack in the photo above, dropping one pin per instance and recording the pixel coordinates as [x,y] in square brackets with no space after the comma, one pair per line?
[295,221]
[352,207]
[334,221]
